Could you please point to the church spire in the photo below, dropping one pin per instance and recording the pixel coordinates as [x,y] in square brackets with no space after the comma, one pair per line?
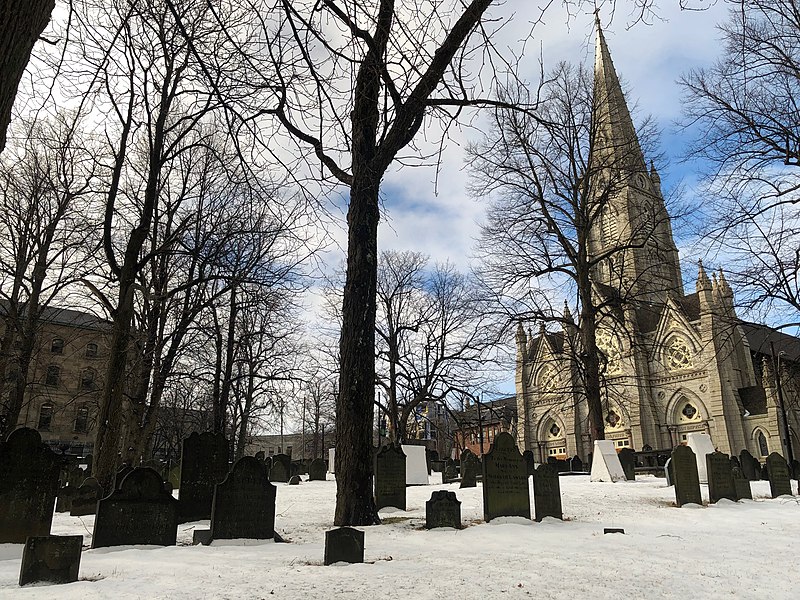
[615,124]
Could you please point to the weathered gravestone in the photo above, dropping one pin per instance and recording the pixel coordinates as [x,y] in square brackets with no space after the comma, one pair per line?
[751,468]
[530,463]
[720,477]
[84,502]
[741,484]
[244,503]
[344,544]
[687,483]
[764,472]
[261,455]
[294,480]
[121,474]
[576,464]
[546,493]
[443,510]
[390,477]
[735,464]
[64,498]
[450,472]
[778,472]
[317,470]
[505,481]
[470,465]
[204,463]
[51,559]
[281,468]
[28,486]
[627,458]
[795,469]
[140,512]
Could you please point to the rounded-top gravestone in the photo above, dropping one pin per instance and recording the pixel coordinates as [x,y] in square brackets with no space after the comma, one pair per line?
[244,503]
[505,480]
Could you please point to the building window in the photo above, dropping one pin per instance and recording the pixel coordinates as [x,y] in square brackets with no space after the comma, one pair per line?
[762,444]
[57,346]
[53,374]
[87,379]
[91,350]
[289,451]
[45,417]
[679,354]
[689,411]
[82,420]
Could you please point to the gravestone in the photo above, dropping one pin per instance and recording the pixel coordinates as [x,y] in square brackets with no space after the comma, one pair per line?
[294,480]
[530,463]
[281,468]
[88,461]
[204,463]
[735,464]
[470,465]
[449,473]
[443,510]
[505,481]
[64,498]
[795,469]
[701,444]
[261,455]
[764,472]
[84,502]
[720,477]
[687,482]
[546,493]
[741,484]
[121,474]
[778,472]
[244,503]
[605,463]
[51,559]
[751,468]
[416,465]
[344,544]
[139,512]
[627,458]
[576,464]
[28,486]
[331,460]
[390,477]
[669,472]
[317,470]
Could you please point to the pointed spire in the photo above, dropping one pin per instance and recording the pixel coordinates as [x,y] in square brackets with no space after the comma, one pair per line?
[567,313]
[521,337]
[655,177]
[612,110]
[725,289]
[703,282]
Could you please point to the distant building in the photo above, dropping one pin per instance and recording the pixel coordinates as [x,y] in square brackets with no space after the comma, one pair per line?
[292,444]
[476,427]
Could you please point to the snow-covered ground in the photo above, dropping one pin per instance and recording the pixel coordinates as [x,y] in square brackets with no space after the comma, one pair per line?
[749,549]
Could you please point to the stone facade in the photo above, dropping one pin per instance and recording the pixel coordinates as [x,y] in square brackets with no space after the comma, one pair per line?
[673,363]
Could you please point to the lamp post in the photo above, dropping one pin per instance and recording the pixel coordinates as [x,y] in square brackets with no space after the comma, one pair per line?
[480,422]
[787,441]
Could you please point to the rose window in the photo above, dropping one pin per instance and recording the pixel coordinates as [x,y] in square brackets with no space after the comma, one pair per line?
[612,419]
[555,430]
[679,355]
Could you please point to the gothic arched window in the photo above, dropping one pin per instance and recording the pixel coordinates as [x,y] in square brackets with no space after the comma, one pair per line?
[679,354]
[763,449]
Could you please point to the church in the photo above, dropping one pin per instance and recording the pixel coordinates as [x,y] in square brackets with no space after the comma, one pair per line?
[674,363]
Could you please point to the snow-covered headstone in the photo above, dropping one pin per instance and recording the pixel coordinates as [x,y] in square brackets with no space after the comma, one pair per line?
[416,465]
[701,444]
[605,463]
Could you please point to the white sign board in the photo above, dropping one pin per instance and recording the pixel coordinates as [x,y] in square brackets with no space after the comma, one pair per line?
[605,463]
[701,444]
[331,459]
[416,465]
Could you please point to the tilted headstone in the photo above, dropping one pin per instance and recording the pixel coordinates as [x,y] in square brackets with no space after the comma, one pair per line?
[720,477]
[390,477]
[294,480]
[244,503]
[450,471]
[317,471]
[530,463]
[687,482]
[84,502]
[443,510]
[605,463]
[281,468]
[51,559]
[64,498]
[669,472]
[751,468]
[778,473]
[741,484]
[344,544]
[204,463]
[139,512]
[28,486]
[546,493]
[701,444]
[576,464]
[505,481]
[627,458]
[470,466]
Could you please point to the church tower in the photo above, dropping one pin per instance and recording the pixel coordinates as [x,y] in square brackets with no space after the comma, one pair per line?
[632,225]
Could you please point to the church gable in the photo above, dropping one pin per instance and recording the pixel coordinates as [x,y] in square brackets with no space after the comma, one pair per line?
[676,342]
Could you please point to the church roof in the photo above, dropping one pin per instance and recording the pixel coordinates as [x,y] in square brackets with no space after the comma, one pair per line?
[754,399]
[761,339]
[556,340]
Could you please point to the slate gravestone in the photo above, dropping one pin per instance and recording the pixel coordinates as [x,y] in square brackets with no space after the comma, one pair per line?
[546,493]
[735,464]
[469,469]
[261,455]
[576,464]
[720,477]
[530,464]
[84,502]
[244,503]
[120,475]
[627,459]
[450,472]
[204,463]
[88,461]
[687,482]
[390,477]
[741,484]
[281,468]
[317,471]
[764,472]
[443,510]
[295,468]
[795,469]
[294,480]
[64,498]
[505,481]
[778,472]
[344,544]
[28,486]
[751,469]
[139,512]
[51,559]
[669,471]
